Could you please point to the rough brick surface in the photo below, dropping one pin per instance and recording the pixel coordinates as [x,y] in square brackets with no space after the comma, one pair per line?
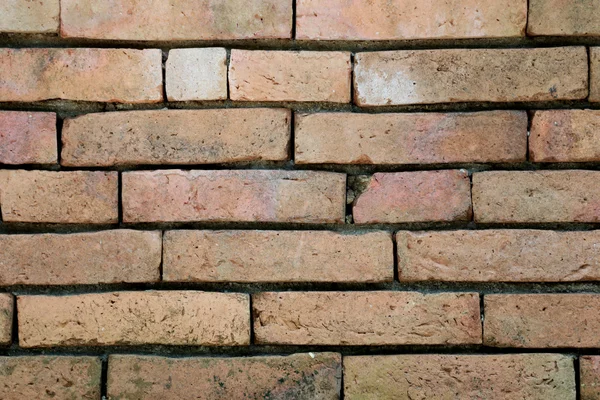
[420,138]
[564,18]
[366,318]
[28,138]
[134,318]
[6,318]
[595,74]
[20,16]
[277,256]
[176,137]
[196,74]
[589,372]
[470,75]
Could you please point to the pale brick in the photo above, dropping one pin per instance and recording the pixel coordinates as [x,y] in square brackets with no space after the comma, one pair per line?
[196,74]
[28,138]
[6,318]
[26,16]
[564,18]
[594,74]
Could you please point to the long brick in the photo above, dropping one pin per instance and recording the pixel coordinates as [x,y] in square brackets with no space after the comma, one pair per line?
[176,137]
[6,318]
[235,195]
[536,196]
[422,196]
[297,376]
[290,76]
[420,138]
[196,74]
[28,138]
[595,74]
[277,256]
[499,255]
[29,16]
[469,377]
[589,381]
[80,258]
[366,318]
[470,75]
[134,318]
[563,18]
[103,75]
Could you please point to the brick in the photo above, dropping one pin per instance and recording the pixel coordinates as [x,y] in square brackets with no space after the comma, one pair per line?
[433,376]
[102,75]
[499,255]
[59,197]
[290,76]
[423,196]
[589,372]
[234,195]
[412,19]
[196,74]
[177,19]
[419,138]
[28,138]
[366,318]
[6,318]
[80,258]
[297,376]
[176,137]
[595,74]
[134,318]
[536,196]
[17,16]
[563,18]
[470,75]
[277,256]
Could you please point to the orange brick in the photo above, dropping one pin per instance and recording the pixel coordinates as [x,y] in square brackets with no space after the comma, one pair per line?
[29,16]
[589,372]
[6,318]
[563,18]
[28,138]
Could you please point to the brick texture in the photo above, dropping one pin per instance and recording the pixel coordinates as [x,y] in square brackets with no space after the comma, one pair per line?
[563,18]
[196,74]
[595,74]
[27,138]
[589,372]
[6,318]
[29,16]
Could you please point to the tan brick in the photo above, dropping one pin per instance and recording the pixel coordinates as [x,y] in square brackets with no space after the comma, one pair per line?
[595,74]
[104,75]
[470,75]
[277,256]
[420,138]
[28,138]
[536,196]
[196,74]
[564,18]
[297,376]
[134,318]
[80,258]
[589,372]
[6,318]
[234,195]
[18,16]
[469,377]
[423,196]
[366,318]
[176,137]
[290,76]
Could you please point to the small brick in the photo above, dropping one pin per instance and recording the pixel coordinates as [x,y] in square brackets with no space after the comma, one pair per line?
[297,376]
[103,75]
[59,197]
[176,137]
[196,74]
[536,196]
[234,195]
[564,18]
[6,318]
[18,16]
[81,258]
[468,377]
[290,76]
[135,318]
[277,256]
[595,74]
[366,318]
[470,75]
[589,373]
[28,138]
[423,196]
[420,138]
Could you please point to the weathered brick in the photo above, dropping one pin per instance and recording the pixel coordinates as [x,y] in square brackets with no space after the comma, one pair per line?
[470,75]
[234,195]
[564,18]
[536,196]
[595,74]
[196,74]
[18,16]
[28,138]
[420,138]
[366,318]
[589,372]
[277,256]
[6,318]
[80,258]
[290,76]
[176,137]
[177,19]
[104,75]
[134,318]
[297,376]
[499,255]
[423,196]
[469,377]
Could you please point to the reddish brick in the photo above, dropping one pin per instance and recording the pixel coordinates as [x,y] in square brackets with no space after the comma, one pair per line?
[196,74]
[105,75]
[290,76]
[421,138]
[297,376]
[28,138]
[134,318]
[564,18]
[236,195]
[470,75]
[366,318]
[589,372]
[6,318]
[595,74]
[176,137]
[422,196]
[277,256]
[29,16]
